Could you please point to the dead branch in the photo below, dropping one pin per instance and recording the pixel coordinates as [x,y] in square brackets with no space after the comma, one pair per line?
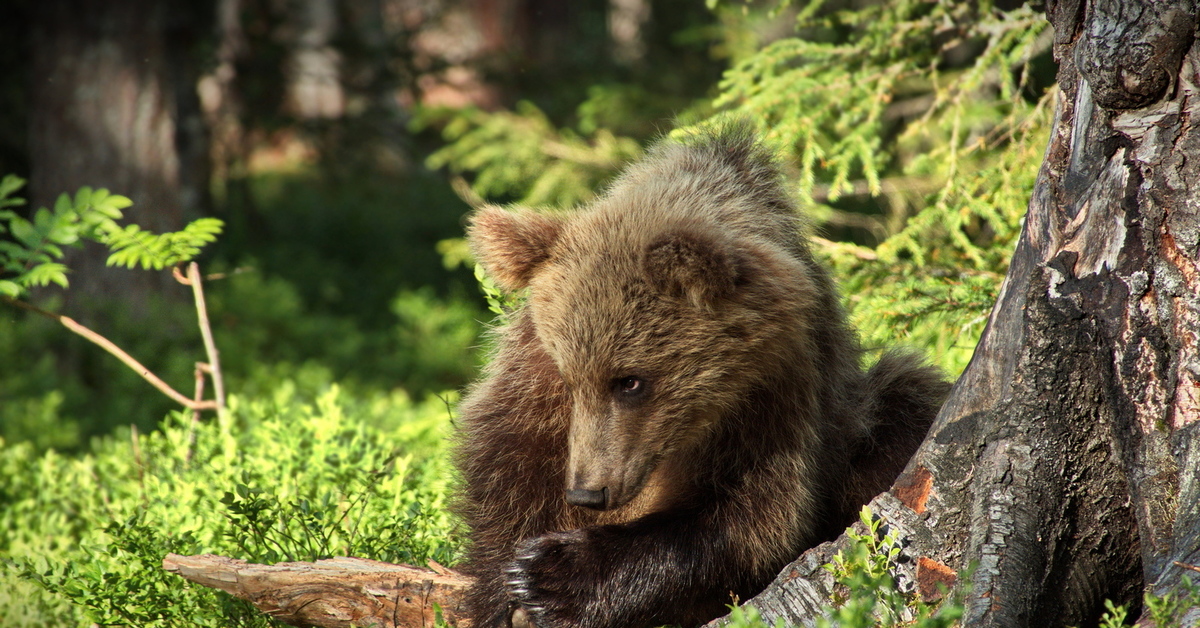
[335,593]
[107,345]
[193,279]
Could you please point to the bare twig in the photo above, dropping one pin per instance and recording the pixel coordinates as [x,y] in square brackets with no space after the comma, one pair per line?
[1187,566]
[199,396]
[181,278]
[236,271]
[108,346]
[824,193]
[861,252]
[465,193]
[200,370]
[210,347]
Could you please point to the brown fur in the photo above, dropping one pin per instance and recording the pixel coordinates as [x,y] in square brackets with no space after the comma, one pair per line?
[682,355]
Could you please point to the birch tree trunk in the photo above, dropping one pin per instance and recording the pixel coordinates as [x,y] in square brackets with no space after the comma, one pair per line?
[1064,465]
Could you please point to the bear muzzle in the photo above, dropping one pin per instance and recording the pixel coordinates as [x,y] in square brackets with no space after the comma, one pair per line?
[602,492]
[596,500]
[605,469]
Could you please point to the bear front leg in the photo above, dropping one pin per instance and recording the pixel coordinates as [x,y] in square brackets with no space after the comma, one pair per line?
[667,568]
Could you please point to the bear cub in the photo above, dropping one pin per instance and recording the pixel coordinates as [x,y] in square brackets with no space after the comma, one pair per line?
[678,410]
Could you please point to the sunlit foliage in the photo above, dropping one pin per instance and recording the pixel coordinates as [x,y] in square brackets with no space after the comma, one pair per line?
[912,132]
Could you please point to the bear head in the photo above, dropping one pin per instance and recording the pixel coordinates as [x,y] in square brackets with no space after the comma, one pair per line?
[663,304]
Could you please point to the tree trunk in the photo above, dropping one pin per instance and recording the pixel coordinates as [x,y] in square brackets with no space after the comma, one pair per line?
[104,112]
[313,69]
[1054,470]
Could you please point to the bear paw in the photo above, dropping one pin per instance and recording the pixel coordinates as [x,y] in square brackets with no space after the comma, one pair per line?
[545,578]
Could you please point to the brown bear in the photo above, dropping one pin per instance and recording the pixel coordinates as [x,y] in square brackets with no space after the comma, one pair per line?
[678,410]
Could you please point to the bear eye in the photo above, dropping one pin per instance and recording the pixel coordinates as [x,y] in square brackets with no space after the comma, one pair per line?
[631,386]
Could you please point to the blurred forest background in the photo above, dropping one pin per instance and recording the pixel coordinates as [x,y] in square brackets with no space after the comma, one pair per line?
[342,142]
[308,127]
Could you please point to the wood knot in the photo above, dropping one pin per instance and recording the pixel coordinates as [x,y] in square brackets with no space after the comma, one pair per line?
[1130,58]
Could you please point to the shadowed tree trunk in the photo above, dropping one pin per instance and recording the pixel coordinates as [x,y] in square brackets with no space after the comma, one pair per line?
[109,79]
[1063,467]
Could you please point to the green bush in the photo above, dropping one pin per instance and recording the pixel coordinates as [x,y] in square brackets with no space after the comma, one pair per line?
[58,390]
[266,329]
[274,479]
[29,259]
[30,255]
[347,242]
[916,129]
[1159,611]
[328,255]
[866,594]
[521,156]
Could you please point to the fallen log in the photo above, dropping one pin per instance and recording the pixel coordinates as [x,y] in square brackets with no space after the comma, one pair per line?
[335,593]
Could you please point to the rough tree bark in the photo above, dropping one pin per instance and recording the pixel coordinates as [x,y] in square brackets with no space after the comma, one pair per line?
[1064,464]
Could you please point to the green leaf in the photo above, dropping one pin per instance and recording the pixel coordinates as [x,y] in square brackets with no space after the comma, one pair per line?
[83,198]
[10,288]
[10,249]
[45,274]
[62,204]
[111,205]
[133,246]
[98,197]
[9,185]
[23,231]
[65,234]
[44,223]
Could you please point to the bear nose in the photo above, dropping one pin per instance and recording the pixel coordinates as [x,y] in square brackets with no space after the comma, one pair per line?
[588,499]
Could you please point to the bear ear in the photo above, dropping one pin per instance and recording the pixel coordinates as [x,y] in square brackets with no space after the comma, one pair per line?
[512,244]
[698,267]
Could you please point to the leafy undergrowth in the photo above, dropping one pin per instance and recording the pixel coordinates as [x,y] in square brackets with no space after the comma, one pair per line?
[59,391]
[274,479]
